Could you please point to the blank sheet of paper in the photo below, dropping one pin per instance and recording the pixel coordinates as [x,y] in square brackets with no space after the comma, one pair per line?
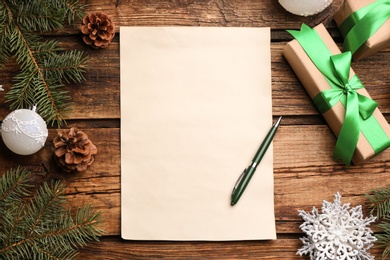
[195,106]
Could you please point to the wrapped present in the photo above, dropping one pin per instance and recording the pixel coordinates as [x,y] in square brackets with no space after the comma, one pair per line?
[365,26]
[325,72]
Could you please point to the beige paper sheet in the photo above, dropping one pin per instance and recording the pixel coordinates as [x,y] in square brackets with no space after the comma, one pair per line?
[195,106]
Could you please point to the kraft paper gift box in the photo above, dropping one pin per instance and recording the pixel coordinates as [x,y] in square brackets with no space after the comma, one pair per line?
[315,82]
[380,38]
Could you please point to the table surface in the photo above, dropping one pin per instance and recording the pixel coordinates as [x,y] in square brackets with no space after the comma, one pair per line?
[305,173]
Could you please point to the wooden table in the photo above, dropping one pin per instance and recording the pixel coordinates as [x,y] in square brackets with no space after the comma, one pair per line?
[305,173]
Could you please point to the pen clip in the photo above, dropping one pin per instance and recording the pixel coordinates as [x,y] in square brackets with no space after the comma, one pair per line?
[238,180]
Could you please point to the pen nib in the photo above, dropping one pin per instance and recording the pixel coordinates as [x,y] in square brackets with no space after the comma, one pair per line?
[278,121]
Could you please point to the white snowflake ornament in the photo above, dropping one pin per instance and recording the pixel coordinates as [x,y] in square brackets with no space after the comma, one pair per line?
[338,233]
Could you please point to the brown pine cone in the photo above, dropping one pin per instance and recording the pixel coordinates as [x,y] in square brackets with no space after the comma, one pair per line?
[73,150]
[98,29]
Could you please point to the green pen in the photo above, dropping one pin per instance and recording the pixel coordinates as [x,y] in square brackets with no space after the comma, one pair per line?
[247,174]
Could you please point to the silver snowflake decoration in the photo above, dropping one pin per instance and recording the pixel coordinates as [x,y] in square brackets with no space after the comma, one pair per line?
[339,232]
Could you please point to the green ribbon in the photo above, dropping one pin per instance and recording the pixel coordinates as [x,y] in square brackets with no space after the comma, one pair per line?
[358,108]
[358,27]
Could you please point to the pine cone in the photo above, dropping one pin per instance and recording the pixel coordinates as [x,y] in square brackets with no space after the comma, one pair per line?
[73,150]
[98,29]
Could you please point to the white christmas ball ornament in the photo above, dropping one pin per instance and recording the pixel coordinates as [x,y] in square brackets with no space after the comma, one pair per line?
[305,7]
[24,131]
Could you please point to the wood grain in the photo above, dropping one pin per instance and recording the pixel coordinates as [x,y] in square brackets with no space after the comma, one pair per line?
[282,248]
[305,172]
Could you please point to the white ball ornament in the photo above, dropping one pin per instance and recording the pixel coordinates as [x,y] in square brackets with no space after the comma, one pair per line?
[24,131]
[305,7]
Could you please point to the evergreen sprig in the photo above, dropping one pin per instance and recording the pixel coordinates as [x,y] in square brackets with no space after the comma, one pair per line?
[380,205]
[380,201]
[44,65]
[36,225]
[384,238]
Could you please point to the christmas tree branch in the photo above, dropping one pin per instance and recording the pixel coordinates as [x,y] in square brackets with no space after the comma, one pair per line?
[39,226]
[380,201]
[14,186]
[53,113]
[384,238]
[73,10]
[73,229]
[42,206]
[44,66]
[380,204]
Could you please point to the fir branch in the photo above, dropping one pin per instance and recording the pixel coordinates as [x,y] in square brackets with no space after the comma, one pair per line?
[4,48]
[44,66]
[40,227]
[73,10]
[13,189]
[384,238]
[380,202]
[44,207]
[48,15]
[31,16]
[14,186]
[68,66]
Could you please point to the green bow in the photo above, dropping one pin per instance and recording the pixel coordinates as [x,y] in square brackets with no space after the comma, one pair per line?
[358,108]
[362,24]
[344,91]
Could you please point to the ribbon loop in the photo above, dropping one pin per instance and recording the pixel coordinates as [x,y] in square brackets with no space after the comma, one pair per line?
[341,67]
[366,106]
[341,64]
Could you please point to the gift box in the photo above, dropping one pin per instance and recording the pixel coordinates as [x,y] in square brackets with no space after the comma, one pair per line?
[350,112]
[365,25]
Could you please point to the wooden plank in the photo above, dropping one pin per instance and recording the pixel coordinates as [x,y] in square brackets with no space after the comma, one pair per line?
[206,13]
[115,248]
